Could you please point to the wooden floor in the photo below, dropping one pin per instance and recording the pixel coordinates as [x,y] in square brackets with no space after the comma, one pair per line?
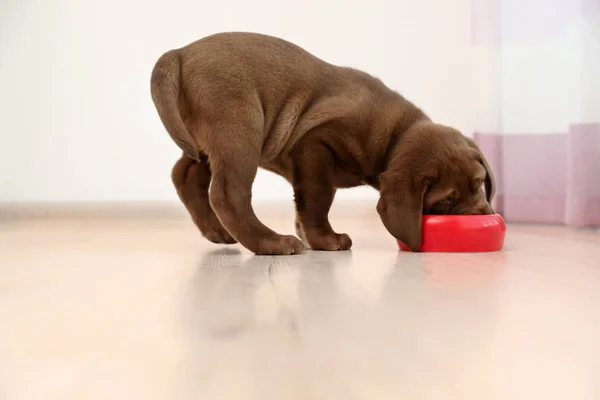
[139,306]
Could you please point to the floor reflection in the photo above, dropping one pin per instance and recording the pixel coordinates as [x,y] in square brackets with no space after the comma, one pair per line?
[327,317]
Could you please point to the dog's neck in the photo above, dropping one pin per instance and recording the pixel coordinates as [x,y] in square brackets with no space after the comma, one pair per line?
[405,119]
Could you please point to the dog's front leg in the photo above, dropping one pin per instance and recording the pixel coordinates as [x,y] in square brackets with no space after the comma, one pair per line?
[314,192]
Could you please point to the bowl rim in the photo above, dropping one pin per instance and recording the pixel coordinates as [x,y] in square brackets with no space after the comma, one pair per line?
[449,216]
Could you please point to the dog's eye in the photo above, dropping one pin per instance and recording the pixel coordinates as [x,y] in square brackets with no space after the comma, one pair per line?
[448,200]
[477,184]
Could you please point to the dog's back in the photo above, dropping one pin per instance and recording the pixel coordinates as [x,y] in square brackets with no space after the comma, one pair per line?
[269,85]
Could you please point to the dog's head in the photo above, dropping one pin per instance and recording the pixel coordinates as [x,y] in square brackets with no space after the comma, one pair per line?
[433,170]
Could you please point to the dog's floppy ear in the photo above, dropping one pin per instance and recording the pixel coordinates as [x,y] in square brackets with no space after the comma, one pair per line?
[400,205]
[490,181]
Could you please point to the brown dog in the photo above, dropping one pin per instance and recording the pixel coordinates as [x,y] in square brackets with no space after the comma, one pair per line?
[234,102]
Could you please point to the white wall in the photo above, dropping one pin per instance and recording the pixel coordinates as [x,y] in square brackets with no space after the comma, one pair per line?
[77,122]
[550,65]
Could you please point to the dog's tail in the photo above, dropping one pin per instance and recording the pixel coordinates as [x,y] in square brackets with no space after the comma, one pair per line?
[164,84]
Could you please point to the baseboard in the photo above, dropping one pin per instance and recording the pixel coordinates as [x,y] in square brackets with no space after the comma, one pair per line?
[129,210]
[156,210]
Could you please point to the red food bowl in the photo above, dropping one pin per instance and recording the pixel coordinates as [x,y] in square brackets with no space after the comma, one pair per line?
[461,233]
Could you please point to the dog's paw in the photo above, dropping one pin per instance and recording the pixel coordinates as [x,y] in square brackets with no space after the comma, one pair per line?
[212,230]
[219,236]
[280,245]
[300,232]
[330,241]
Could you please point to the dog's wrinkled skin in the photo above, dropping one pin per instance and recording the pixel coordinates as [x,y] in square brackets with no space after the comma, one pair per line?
[234,102]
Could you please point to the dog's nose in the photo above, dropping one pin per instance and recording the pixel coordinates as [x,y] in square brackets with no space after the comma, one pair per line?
[479,208]
[482,209]
[486,209]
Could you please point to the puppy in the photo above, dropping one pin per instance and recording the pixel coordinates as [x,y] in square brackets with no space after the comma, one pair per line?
[234,102]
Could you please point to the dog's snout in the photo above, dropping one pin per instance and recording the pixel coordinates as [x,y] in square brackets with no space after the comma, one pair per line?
[484,209]
[480,209]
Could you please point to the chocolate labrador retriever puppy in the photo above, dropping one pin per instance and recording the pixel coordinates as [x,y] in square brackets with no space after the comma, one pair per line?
[234,102]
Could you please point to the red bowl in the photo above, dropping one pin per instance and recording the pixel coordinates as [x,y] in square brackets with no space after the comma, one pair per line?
[461,233]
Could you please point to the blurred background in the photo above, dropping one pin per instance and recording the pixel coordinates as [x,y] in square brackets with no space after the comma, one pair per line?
[522,77]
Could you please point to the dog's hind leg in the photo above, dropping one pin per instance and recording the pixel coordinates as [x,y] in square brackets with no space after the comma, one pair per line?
[192,180]
[234,168]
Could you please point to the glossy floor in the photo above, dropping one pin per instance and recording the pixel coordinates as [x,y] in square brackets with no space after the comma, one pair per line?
[141,307]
